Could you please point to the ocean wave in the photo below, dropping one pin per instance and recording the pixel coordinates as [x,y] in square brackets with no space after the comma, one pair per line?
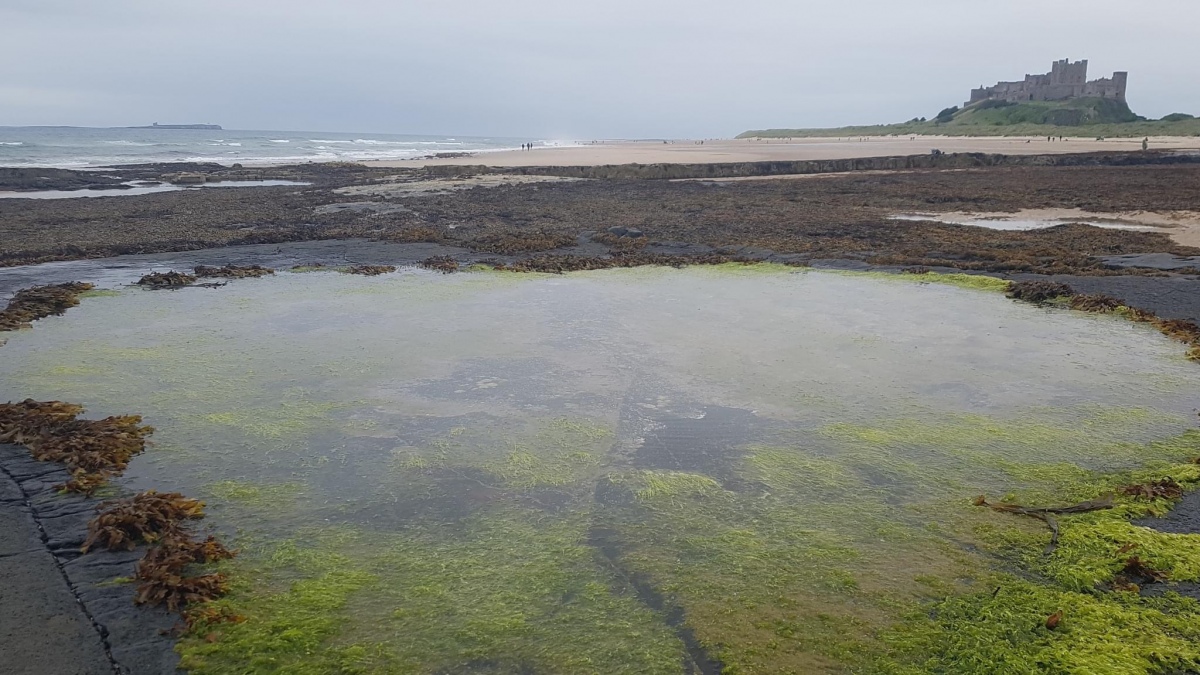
[372,141]
[11,143]
[284,140]
[132,144]
[231,145]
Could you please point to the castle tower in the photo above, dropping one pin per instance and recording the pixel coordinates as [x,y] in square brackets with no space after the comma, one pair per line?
[1065,73]
[1121,81]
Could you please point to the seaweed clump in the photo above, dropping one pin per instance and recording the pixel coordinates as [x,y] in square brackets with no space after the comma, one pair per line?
[232,271]
[1039,291]
[35,303]
[95,450]
[1164,488]
[416,235]
[166,280]
[160,519]
[370,270]
[144,518]
[92,450]
[164,573]
[559,264]
[1095,302]
[441,263]
[508,243]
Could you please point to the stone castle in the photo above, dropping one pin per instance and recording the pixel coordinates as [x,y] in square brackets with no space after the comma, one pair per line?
[1065,80]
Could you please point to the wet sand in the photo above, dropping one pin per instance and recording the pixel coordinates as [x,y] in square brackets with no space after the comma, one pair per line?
[796,149]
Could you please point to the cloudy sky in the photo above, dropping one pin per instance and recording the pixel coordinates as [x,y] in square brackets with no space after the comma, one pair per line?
[565,68]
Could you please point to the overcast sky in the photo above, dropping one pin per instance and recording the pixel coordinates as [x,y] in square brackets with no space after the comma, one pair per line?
[566,68]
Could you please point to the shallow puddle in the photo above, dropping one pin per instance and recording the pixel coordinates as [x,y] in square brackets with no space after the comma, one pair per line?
[647,470]
[1021,224]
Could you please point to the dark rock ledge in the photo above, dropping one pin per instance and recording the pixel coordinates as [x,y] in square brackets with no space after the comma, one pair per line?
[60,611]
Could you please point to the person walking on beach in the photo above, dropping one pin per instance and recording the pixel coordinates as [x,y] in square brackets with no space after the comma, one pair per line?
[1145,144]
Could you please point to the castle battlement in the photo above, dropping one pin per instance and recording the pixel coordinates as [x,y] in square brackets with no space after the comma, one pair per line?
[1065,80]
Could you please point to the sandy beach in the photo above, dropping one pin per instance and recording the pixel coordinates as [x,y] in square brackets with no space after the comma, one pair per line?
[765,150]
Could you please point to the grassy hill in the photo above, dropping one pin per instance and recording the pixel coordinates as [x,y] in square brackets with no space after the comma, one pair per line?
[1097,117]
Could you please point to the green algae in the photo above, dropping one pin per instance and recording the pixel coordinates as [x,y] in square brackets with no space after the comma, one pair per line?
[505,589]
[820,543]
[978,282]
[258,495]
[1104,629]
[291,417]
[1004,631]
[658,485]
[288,620]
[549,453]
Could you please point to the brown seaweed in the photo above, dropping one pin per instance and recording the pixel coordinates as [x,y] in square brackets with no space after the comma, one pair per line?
[1140,572]
[207,615]
[232,271]
[1165,488]
[1095,302]
[92,450]
[521,241]
[163,573]
[35,303]
[441,263]
[559,264]
[415,235]
[1046,514]
[1038,291]
[166,280]
[1053,620]
[370,270]
[144,518]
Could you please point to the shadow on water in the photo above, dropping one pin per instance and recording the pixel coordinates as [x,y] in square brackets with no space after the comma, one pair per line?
[705,441]
[489,667]
[697,660]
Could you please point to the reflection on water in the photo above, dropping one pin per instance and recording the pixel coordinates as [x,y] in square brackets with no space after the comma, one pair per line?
[623,471]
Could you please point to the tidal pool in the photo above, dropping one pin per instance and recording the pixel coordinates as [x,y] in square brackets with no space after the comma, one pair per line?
[633,471]
[138,188]
[1005,222]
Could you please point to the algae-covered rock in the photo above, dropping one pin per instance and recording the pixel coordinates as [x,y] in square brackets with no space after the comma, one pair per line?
[39,302]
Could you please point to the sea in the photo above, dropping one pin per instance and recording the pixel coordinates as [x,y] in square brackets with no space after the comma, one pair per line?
[88,147]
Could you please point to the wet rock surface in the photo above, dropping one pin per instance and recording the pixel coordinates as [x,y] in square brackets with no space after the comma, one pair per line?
[26,179]
[1157,261]
[61,611]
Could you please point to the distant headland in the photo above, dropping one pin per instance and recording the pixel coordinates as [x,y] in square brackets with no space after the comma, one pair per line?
[204,127]
[1061,102]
